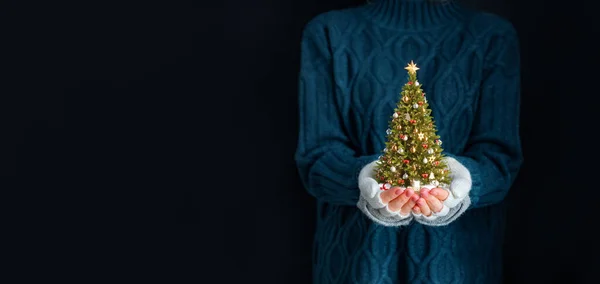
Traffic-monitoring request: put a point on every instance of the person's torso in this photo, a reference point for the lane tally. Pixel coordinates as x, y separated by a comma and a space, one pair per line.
368, 70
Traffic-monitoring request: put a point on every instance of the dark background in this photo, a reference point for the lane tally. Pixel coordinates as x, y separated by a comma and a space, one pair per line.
197, 100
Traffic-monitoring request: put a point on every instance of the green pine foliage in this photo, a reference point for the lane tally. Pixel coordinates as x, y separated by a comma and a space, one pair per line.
413, 153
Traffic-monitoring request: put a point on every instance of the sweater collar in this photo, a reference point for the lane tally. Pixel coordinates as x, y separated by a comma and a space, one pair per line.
413, 14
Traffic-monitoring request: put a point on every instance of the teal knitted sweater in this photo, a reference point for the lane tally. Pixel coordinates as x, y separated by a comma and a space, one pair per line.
352, 71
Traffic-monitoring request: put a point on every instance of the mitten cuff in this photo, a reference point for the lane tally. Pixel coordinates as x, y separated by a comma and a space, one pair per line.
446, 216
383, 216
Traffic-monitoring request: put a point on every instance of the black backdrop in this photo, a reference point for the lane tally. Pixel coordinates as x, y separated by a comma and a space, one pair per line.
199, 100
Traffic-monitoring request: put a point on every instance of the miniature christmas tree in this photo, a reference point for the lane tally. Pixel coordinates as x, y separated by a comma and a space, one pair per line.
413, 153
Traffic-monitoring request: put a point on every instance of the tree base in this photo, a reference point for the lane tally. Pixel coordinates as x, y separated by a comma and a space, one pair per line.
416, 186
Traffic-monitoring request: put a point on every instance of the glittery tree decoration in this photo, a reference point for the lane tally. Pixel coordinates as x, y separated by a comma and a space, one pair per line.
413, 153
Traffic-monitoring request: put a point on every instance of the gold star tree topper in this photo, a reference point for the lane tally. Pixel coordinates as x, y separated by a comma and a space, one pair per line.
412, 67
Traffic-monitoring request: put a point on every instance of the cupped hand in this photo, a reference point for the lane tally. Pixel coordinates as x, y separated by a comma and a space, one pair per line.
430, 201
399, 199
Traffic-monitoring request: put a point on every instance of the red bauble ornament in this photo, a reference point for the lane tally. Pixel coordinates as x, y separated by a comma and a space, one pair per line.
424, 175
401, 181
413, 121
425, 146
410, 83
406, 161
420, 103
402, 136
436, 163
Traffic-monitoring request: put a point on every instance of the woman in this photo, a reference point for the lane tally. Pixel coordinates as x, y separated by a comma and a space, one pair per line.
352, 71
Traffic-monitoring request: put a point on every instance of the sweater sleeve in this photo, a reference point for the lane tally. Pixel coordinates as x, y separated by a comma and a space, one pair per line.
327, 163
493, 154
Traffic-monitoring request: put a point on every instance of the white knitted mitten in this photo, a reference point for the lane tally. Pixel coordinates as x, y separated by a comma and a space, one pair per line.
370, 199
461, 182
458, 198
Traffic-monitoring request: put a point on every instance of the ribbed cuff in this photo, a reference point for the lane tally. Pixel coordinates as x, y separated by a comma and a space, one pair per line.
376, 216
451, 216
